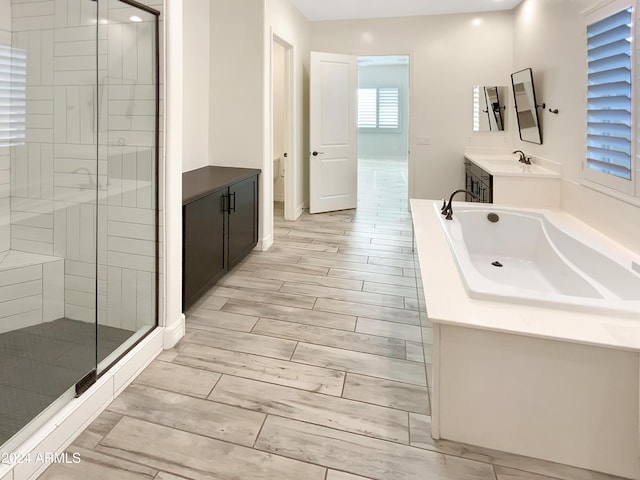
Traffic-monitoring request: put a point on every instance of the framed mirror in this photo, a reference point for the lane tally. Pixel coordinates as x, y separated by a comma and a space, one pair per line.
489, 108
524, 96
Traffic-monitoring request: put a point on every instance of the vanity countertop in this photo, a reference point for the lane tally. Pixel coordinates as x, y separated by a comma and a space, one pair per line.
447, 300
507, 165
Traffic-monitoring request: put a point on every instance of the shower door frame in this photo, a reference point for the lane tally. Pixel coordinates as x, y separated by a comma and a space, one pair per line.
94, 375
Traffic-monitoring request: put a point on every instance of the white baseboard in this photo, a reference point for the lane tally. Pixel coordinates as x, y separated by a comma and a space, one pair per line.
63, 428
173, 333
264, 244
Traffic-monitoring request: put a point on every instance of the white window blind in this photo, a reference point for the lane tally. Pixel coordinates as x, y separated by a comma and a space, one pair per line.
476, 108
379, 108
12, 96
609, 112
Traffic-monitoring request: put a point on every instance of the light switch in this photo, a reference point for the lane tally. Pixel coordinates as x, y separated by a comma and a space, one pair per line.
423, 140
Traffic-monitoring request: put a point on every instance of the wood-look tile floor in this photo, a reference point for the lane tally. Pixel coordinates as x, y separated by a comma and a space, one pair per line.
304, 362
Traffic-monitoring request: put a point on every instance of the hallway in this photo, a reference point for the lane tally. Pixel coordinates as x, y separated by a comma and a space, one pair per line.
303, 363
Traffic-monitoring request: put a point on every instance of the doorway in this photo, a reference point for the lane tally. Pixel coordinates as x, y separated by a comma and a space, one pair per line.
383, 131
282, 126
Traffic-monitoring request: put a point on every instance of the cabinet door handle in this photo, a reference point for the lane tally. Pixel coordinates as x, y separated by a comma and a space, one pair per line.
232, 208
223, 202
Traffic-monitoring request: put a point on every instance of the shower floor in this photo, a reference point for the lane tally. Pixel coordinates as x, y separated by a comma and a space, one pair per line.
41, 362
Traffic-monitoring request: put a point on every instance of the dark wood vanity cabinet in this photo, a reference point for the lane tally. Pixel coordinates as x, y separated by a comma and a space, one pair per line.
219, 225
478, 181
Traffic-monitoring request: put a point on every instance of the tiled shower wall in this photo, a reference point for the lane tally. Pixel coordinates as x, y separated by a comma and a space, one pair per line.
54, 175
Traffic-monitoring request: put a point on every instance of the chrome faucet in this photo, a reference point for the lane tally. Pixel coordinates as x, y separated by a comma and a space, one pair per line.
447, 208
523, 158
91, 183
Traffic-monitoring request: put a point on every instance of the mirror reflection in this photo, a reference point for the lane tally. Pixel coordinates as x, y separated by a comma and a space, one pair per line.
524, 96
489, 108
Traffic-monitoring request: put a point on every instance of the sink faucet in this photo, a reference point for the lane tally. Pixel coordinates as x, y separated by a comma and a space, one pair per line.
447, 208
523, 158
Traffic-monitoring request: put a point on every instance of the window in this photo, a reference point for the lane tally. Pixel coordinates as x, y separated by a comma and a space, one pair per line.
379, 108
609, 158
12, 96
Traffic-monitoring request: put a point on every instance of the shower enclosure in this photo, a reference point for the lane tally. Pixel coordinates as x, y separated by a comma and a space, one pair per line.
79, 140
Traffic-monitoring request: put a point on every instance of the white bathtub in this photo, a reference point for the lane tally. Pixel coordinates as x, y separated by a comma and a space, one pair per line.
524, 257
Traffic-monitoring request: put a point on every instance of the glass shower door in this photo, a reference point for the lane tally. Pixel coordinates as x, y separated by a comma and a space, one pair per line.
48, 210
128, 119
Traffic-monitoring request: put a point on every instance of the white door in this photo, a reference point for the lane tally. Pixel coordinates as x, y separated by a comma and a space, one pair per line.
333, 160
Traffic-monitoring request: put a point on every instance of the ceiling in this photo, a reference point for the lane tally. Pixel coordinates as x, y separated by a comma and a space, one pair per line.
316, 10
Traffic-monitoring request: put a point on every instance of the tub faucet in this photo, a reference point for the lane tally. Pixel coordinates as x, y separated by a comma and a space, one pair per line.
523, 158
447, 208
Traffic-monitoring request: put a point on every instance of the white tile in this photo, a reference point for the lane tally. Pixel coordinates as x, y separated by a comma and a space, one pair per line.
39, 135
32, 247
73, 114
32, 9
132, 107
145, 299
73, 232
75, 34
138, 262
34, 52
35, 234
21, 305
75, 62
60, 229
20, 290
43, 92
21, 274
87, 115
34, 170
60, 14
115, 52
80, 269
46, 170
31, 205
132, 246
60, 114
79, 299
114, 297
80, 77
129, 58
132, 215
87, 233
22, 319
53, 291
129, 303
29, 219
83, 314
132, 230
46, 58
145, 42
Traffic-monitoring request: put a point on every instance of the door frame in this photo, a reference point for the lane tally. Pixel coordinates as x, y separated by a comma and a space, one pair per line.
289, 134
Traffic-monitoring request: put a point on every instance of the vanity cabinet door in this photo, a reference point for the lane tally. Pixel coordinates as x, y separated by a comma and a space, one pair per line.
204, 233
243, 219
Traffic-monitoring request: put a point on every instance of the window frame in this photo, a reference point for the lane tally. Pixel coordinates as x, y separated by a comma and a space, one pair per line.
378, 128
602, 181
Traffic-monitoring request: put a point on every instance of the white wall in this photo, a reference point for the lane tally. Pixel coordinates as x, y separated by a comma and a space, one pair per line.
386, 145
237, 66
549, 38
449, 54
196, 77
